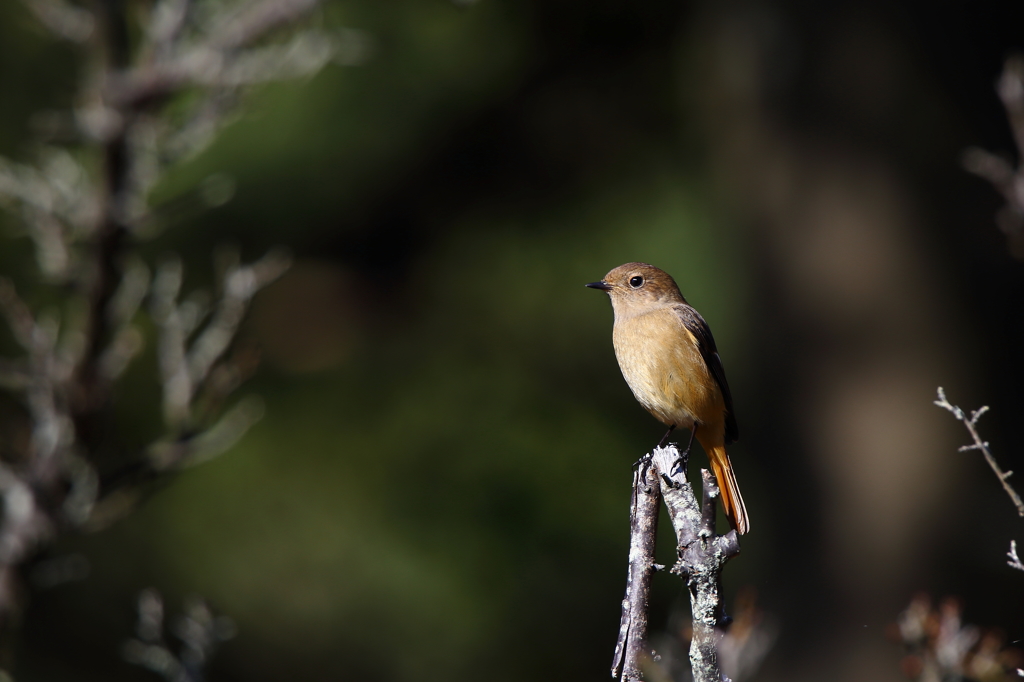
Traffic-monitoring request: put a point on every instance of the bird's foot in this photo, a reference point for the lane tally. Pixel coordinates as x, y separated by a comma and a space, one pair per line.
645, 459
644, 465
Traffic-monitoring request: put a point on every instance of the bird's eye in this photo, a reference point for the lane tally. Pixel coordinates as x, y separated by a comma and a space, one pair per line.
636, 282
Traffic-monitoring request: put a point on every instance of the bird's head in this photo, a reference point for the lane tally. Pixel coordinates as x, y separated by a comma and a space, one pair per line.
635, 287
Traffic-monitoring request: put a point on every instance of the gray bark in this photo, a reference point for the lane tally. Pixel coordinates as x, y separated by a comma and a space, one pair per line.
630, 649
701, 555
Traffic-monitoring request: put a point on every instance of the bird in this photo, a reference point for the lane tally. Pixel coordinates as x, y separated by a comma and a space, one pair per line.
669, 360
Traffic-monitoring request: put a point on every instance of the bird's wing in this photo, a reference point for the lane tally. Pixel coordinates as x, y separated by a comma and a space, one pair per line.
709, 352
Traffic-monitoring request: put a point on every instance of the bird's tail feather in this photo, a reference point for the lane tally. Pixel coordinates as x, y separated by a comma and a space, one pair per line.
732, 500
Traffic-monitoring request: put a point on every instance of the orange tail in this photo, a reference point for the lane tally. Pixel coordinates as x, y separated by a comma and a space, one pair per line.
731, 498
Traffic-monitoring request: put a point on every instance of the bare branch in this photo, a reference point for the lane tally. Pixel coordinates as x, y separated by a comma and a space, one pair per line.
59, 187
177, 385
129, 295
701, 553
84, 488
199, 130
54, 202
144, 143
208, 66
979, 444
1009, 181
216, 440
304, 54
22, 526
127, 300
989, 166
48, 233
217, 57
631, 646
240, 285
83, 219
1011, 91
199, 631
166, 24
247, 24
23, 529
51, 427
1014, 561
185, 369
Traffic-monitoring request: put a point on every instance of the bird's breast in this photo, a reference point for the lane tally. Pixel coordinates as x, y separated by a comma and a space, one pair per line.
662, 364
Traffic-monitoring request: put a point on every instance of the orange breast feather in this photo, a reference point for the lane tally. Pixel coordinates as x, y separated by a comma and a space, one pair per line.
661, 362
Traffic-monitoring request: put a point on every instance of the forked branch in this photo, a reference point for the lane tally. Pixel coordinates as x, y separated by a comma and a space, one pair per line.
701, 555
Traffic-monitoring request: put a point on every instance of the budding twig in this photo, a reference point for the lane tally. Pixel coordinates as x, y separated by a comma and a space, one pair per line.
971, 425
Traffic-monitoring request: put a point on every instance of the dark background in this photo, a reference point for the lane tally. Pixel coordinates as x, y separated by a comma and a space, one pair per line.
439, 489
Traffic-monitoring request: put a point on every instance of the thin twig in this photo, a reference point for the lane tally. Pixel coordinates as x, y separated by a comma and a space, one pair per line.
240, 285
1014, 561
198, 629
971, 424
213, 59
208, 444
1009, 181
251, 22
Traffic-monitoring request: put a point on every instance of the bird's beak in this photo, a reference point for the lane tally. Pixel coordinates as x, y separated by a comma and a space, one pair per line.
602, 285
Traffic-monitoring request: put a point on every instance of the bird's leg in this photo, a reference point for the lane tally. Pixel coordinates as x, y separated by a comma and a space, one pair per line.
667, 434
680, 463
693, 432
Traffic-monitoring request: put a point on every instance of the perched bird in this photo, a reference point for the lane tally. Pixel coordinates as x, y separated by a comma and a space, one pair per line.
669, 359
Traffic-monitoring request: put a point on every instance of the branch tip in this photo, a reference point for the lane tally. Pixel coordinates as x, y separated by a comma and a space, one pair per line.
1014, 561
983, 446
